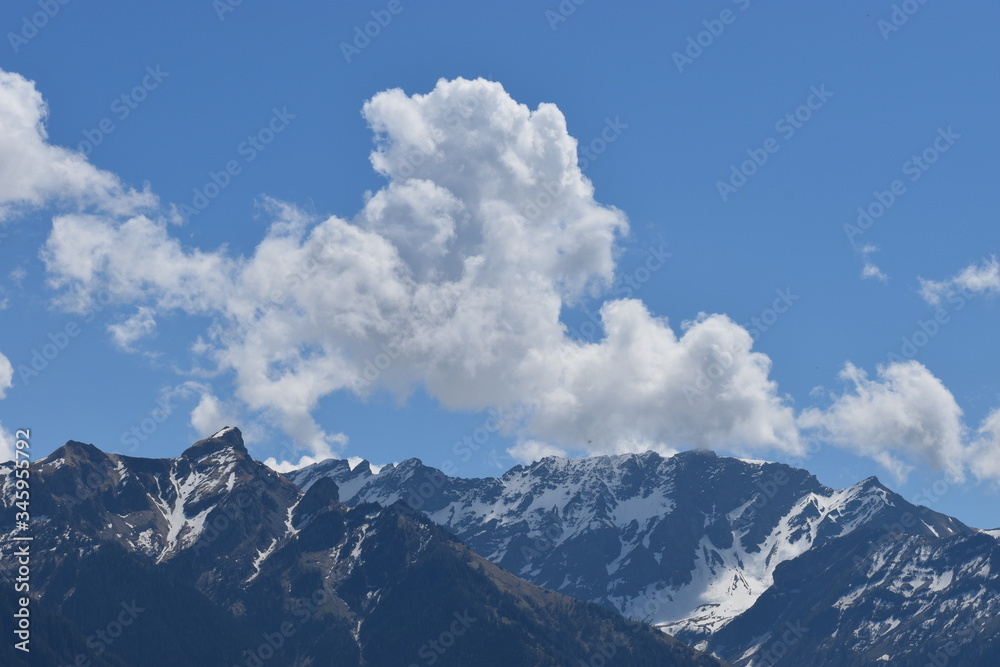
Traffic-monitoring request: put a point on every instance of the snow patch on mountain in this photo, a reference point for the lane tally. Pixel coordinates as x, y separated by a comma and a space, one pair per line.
262, 555
184, 526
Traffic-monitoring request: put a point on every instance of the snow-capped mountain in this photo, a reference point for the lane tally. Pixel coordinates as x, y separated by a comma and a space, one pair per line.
218, 560
720, 552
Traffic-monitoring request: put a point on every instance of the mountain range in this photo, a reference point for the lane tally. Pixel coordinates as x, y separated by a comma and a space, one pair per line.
213, 558
757, 563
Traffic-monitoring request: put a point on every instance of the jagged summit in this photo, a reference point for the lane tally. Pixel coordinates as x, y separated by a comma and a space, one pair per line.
74, 450
229, 437
362, 466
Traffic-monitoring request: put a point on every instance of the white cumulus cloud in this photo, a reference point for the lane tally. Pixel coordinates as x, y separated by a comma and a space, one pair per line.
984, 452
452, 276
981, 277
528, 451
903, 416
643, 387
212, 413
34, 172
6, 382
6, 375
7, 443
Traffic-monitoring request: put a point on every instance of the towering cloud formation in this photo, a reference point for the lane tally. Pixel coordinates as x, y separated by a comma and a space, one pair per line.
454, 277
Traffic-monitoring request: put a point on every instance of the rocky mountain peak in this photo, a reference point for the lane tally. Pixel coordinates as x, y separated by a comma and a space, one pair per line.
229, 437
74, 451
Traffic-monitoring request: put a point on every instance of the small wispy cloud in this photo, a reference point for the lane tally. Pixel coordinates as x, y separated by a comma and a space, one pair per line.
870, 269
139, 325
981, 277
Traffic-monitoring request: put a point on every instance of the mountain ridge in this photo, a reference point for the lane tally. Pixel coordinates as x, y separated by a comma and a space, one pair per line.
215, 536
756, 562
597, 528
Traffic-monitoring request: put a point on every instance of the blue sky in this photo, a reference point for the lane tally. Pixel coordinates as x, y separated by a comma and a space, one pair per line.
881, 360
